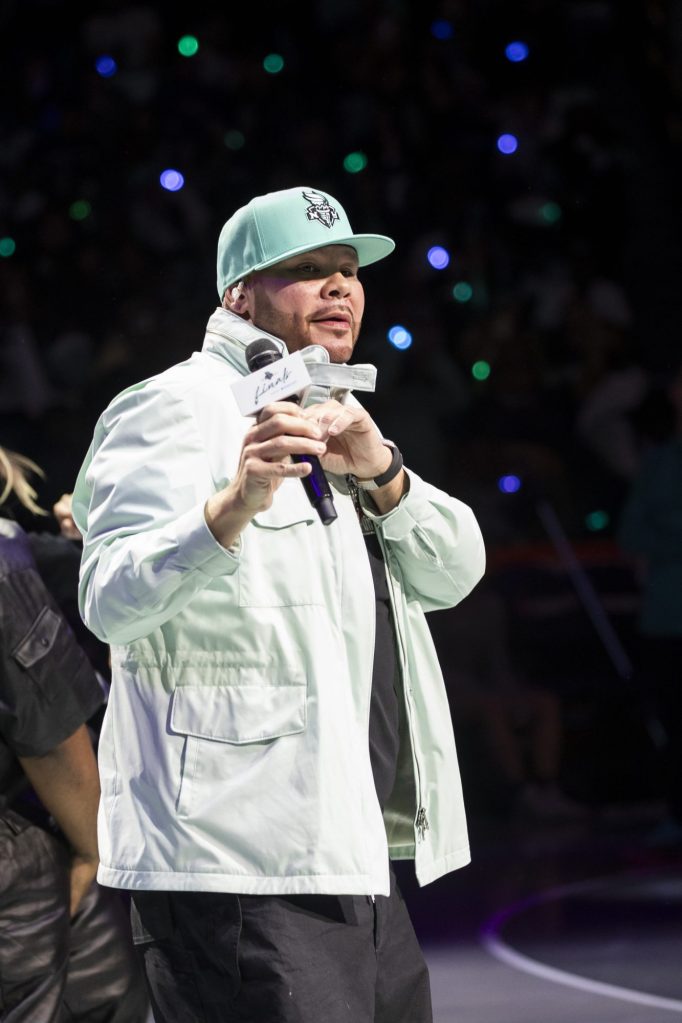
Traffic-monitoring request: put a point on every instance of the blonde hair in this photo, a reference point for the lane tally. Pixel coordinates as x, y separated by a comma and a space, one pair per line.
13, 470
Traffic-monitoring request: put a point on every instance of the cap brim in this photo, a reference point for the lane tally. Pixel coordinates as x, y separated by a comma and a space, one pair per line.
369, 247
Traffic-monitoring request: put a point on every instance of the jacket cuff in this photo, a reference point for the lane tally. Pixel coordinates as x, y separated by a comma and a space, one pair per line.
198, 549
413, 508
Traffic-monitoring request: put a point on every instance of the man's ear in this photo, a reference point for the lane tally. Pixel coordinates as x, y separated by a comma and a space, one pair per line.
235, 300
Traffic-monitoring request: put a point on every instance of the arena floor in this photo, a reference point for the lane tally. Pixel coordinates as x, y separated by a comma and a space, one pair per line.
553, 923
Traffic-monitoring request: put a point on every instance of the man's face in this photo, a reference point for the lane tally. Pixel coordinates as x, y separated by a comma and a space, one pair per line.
311, 299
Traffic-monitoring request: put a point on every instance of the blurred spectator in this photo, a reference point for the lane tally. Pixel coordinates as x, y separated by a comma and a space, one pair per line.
651, 529
66, 947
518, 727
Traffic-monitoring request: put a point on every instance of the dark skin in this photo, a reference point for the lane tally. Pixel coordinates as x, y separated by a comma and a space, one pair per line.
67, 783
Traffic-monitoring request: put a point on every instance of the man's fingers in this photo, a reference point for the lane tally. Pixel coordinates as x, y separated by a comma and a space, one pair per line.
256, 469
284, 424
283, 446
338, 423
332, 417
283, 416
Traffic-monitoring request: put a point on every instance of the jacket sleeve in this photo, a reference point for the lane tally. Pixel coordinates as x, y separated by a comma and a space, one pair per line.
139, 503
435, 542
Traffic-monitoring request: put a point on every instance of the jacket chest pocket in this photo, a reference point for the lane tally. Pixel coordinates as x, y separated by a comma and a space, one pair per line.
278, 564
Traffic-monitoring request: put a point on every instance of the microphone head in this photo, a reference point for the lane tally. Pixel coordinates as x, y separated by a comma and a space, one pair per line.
261, 353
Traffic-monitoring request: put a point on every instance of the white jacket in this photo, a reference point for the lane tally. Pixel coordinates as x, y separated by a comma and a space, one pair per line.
234, 753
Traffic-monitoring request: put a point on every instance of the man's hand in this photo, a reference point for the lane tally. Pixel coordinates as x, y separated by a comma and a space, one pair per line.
282, 430
354, 445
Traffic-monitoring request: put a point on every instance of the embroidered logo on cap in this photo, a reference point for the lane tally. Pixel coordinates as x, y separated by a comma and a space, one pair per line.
320, 208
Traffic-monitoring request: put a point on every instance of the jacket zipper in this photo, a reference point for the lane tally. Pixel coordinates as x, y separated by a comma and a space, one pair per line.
421, 822
366, 525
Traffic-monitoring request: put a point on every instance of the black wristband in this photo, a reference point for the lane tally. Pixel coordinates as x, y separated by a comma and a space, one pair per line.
385, 477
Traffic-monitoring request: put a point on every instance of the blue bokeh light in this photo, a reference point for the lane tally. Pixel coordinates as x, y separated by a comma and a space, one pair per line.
442, 29
171, 180
106, 66
399, 337
438, 257
507, 144
516, 51
509, 484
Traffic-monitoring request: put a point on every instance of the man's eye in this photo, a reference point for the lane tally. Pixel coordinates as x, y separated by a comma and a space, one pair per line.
348, 272
307, 268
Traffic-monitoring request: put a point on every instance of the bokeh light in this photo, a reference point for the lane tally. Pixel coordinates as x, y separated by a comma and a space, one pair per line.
509, 484
273, 63
507, 144
516, 51
597, 520
354, 162
399, 337
234, 139
480, 370
188, 46
80, 209
550, 212
438, 257
7, 247
462, 291
442, 29
171, 180
106, 66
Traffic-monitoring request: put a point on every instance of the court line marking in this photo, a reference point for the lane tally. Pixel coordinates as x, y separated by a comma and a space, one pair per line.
503, 952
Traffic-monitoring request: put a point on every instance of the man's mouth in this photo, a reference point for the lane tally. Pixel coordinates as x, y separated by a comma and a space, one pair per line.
340, 320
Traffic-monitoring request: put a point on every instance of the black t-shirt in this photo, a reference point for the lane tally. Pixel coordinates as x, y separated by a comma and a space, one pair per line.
47, 686
384, 736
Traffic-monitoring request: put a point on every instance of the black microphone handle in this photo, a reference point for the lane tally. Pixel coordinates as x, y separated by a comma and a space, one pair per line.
316, 486
262, 353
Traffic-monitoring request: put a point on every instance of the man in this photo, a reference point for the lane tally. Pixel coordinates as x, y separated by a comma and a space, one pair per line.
274, 687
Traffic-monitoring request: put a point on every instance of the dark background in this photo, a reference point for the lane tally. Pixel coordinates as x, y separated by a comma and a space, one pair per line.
571, 247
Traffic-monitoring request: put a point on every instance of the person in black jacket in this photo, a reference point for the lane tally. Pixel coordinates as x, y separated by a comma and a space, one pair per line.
65, 950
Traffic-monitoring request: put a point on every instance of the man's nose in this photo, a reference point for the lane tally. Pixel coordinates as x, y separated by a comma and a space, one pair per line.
336, 285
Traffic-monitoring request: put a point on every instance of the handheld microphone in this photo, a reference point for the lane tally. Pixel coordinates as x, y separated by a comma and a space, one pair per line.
262, 353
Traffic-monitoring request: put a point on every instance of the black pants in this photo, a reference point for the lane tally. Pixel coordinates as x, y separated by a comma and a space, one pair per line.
225, 958
54, 969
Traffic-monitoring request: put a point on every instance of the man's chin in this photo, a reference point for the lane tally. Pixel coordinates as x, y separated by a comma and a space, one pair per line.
339, 344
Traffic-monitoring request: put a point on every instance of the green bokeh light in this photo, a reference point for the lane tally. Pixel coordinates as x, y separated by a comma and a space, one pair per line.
550, 212
234, 139
188, 46
7, 247
597, 520
462, 291
354, 162
80, 209
273, 63
480, 370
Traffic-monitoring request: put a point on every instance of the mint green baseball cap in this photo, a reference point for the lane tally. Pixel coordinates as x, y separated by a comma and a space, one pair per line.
281, 224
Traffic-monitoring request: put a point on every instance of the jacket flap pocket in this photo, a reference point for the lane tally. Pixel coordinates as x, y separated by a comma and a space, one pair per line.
239, 713
289, 506
40, 638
